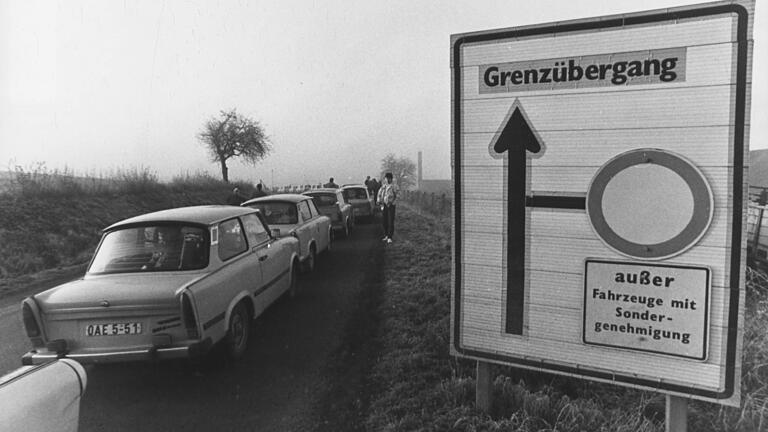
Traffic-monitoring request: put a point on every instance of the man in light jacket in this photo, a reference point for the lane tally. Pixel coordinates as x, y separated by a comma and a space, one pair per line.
386, 198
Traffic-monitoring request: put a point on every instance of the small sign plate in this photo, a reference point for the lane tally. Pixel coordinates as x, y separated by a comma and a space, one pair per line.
647, 307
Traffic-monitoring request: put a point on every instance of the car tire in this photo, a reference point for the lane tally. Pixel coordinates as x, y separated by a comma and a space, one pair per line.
238, 331
309, 263
293, 287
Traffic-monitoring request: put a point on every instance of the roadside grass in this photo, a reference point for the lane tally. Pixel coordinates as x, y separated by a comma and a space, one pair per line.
52, 218
418, 385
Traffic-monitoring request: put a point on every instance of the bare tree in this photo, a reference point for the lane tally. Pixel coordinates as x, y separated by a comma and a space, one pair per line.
403, 170
234, 135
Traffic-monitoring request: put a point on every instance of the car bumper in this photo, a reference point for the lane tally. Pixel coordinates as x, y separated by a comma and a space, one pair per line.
35, 357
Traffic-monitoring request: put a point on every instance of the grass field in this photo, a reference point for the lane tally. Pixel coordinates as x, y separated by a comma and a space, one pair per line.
419, 386
54, 219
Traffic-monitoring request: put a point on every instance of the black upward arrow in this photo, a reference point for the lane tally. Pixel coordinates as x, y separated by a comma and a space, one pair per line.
518, 138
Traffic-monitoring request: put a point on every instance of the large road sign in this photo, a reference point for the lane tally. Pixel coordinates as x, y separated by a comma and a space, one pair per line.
598, 171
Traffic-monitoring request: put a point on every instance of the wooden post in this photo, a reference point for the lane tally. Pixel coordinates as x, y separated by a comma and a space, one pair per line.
483, 386
677, 414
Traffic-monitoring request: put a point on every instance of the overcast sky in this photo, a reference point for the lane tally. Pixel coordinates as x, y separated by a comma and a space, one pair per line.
97, 86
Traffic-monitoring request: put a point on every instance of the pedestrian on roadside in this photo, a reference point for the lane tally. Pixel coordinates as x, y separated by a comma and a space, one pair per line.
259, 192
387, 197
368, 184
331, 184
235, 198
375, 186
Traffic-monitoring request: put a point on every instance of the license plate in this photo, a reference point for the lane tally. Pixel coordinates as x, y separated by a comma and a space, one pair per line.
113, 329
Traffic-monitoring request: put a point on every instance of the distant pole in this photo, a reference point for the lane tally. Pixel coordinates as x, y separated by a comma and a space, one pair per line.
483, 386
272, 181
677, 414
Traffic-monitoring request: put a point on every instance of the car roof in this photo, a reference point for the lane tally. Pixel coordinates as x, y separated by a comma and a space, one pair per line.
350, 186
321, 190
205, 215
292, 198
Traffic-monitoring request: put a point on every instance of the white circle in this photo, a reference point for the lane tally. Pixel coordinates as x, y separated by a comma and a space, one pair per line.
647, 204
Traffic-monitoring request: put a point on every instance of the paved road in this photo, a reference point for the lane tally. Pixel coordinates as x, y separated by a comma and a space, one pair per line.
273, 388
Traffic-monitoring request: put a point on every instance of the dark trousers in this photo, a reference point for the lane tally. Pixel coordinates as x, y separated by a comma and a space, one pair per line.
388, 220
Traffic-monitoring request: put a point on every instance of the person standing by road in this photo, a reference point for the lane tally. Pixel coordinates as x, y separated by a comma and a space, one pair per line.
387, 196
259, 192
235, 198
331, 184
374, 186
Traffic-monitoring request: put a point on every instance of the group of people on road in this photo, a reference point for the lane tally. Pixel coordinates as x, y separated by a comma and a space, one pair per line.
384, 195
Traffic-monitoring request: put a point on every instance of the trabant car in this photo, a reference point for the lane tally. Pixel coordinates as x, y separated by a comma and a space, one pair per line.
296, 215
331, 203
360, 199
167, 284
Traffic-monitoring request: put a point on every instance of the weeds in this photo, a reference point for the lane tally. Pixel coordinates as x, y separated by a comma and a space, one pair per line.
53, 218
422, 387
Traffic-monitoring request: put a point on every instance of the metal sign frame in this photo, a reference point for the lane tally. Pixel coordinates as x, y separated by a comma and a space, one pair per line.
737, 157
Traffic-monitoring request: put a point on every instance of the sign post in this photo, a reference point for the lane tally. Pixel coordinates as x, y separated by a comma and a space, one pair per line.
598, 171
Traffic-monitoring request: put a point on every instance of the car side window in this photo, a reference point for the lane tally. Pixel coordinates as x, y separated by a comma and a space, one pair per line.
254, 229
304, 210
313, 208
231, 239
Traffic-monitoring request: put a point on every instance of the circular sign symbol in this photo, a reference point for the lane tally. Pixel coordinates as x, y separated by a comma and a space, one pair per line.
649, 204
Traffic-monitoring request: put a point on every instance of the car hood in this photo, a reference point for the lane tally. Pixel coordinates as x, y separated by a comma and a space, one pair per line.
116, 290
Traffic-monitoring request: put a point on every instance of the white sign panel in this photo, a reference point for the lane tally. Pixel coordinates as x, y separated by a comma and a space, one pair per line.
588, 148
647, 307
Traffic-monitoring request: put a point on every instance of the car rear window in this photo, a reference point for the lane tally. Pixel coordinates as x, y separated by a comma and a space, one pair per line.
324, 200
152, 249
277, 213
355, 193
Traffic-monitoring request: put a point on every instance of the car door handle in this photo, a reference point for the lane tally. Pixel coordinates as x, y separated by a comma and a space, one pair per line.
263, 257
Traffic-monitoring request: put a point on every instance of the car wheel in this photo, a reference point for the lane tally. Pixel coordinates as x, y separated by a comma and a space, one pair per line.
238, 331
309, 263
293, 288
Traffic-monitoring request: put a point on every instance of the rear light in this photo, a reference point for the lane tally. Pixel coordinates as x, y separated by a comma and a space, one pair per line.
188, 315
30, 323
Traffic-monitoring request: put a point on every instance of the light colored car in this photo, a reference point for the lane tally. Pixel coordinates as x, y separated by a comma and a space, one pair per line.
42, 398
360, 199
331, 203
296, 215
167, 284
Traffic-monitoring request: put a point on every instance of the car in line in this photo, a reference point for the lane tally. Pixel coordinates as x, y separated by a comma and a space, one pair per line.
361, 201
296, 215
168, 284
330, 202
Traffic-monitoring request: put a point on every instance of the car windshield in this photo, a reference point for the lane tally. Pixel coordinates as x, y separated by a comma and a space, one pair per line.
355, 193
278, 213
152, 249
324, 199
